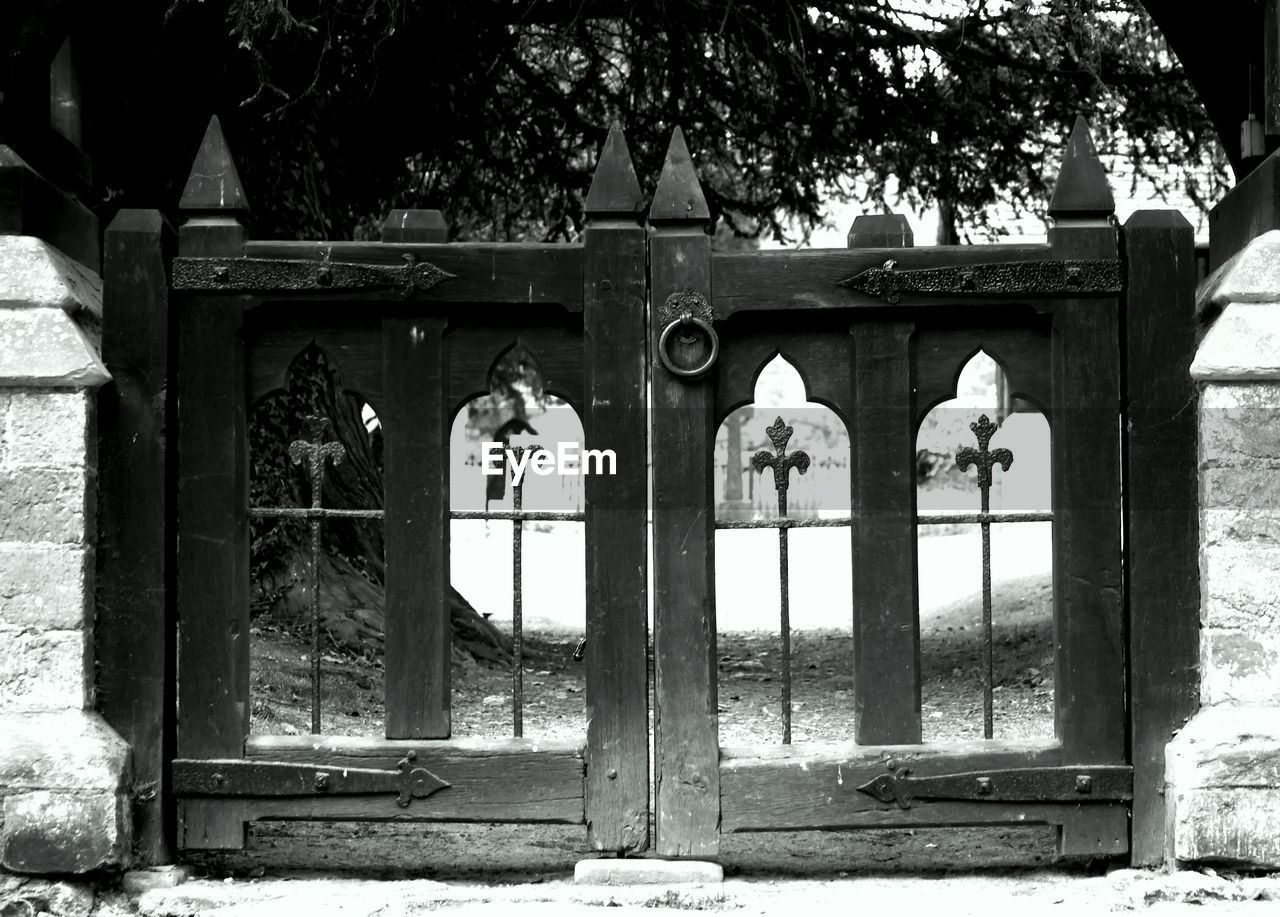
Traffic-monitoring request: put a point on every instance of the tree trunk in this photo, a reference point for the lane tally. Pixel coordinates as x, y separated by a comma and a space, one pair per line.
352, 571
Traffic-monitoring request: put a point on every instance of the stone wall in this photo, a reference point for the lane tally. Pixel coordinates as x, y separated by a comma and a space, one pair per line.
1223, 769
63, 771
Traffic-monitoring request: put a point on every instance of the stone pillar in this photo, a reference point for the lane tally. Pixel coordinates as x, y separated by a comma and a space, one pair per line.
63, 771
1223, 768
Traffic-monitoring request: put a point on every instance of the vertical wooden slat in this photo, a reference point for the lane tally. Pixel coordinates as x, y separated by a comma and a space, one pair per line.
415, 430
1161, 523
1088, 601
886, 644
617, 786
213, 550
686, 735
886, 628
134, 631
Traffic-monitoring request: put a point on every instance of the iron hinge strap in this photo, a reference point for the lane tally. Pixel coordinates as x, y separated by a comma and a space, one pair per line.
240, 777
302, 275
1048, 278
1079, 784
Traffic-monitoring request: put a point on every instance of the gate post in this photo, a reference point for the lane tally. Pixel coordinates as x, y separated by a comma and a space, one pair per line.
617, 543
686, 732
213, 549
886, 615
135, 508
1161, 507
415, 422
1087, 576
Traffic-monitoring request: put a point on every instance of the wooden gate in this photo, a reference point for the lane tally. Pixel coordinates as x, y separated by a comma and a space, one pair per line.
880, 335
1088, 326
415, 326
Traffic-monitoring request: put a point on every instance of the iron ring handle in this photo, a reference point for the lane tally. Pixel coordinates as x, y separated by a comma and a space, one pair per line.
687, 319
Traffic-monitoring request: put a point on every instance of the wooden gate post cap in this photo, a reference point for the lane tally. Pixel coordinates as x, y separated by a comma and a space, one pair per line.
415, 226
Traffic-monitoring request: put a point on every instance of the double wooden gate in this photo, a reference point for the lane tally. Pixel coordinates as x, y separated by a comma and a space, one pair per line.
655, 339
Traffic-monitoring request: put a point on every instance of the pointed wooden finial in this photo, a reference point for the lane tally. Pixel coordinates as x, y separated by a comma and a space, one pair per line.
1082, 189
679, 195
214, 184
614, 187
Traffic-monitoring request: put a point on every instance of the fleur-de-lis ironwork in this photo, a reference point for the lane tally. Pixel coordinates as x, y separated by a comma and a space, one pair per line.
781, 463
314, 454
982, 458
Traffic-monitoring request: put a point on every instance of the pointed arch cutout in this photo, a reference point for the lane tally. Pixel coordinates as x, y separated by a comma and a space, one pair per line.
779, 389
519, 403
553, 354
1024, 355
820, 358
982, 388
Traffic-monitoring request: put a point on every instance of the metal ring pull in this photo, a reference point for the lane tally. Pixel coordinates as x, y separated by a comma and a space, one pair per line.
688, 318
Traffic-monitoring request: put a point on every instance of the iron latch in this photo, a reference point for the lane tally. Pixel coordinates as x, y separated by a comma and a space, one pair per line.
1094, 783
240, 777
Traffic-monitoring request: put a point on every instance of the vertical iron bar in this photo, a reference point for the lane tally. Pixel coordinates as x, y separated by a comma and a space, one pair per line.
315, 619
987, 671
517, 611
784, 583
781, 463
985, 460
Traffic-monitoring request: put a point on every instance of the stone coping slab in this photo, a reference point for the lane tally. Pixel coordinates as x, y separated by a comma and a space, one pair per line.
35, 275
46, 348
1242, 345
71, 750
1250, 275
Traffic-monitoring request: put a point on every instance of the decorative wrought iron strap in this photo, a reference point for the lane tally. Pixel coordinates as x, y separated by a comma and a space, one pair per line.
264, 275
1090, 277
238, 777
1090, 783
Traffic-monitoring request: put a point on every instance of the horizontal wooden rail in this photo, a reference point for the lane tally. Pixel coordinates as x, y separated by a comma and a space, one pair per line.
817, 786
503, 780
455, 272
829, 278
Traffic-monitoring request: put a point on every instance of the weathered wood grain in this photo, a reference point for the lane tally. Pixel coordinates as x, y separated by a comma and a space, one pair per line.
474, 349
213, 555
1087, 575
135, 629
1161, 506
815, 787
274, 339
504, 780
213, 203
617, 543
886, 625
941, 353
415, 430
686, 756
819, 352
